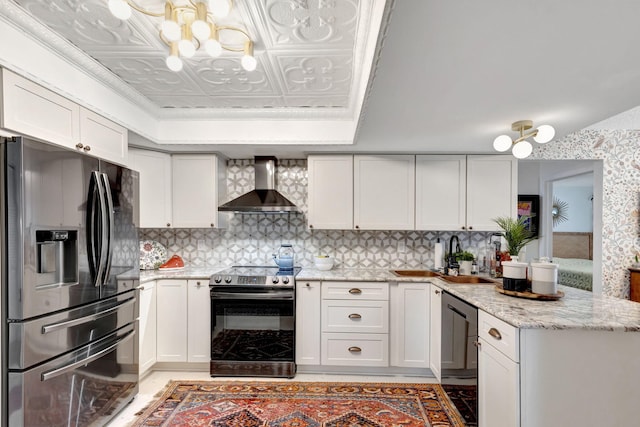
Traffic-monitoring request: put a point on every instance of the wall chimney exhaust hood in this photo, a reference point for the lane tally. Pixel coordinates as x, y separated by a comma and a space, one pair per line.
264, 198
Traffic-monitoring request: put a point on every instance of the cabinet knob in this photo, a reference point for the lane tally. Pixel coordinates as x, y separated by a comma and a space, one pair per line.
355, 291
168, 224
307, 285
495, 333
463, 227
478, 344
198, 284
355, 349
437, 292
86, 148
212, 225
357, 227
355, 316
79, 146
470, 228
310, 225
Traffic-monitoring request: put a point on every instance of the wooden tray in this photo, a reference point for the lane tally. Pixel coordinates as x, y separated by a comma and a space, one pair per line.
531, 295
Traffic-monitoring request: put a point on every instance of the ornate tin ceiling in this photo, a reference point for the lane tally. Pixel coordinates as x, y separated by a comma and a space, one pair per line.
306, 53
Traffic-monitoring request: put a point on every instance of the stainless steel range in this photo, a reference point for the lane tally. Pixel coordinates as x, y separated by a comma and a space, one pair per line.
252, 322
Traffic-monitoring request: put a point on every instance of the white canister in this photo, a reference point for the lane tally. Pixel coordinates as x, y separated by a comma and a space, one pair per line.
514, 276
544, 278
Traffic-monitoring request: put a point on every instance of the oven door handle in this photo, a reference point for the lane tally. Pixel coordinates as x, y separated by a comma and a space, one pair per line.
283, 296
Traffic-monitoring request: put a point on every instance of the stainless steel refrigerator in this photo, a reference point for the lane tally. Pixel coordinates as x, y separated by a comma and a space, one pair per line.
69, 277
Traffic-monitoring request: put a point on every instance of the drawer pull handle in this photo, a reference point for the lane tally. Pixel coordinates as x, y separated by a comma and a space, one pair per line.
355, 349
355, 316
495, 333
355, 291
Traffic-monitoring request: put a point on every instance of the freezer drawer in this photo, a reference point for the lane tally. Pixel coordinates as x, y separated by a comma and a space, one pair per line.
85, 387
43, 338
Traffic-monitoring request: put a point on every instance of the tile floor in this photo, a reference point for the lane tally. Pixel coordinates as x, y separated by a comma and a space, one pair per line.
157, 380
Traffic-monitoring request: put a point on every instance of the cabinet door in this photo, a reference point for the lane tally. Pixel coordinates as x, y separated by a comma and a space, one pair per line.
384, 189
148, 330
195, 198
330, 192
409, 329
198, 321
155, 187
435, 334
103, 138
441, 191
498, 388
308, 323
30, 109
492, 190
172, 321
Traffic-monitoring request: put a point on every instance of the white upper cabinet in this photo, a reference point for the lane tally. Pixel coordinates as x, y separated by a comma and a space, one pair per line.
492, 190
102, 138
384, 189
330, 192
155, 187
29, 109
196, 191
441, 188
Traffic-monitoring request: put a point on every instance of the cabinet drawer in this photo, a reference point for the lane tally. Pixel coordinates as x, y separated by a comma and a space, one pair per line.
355, 290
504, 337
355, 316
355, 349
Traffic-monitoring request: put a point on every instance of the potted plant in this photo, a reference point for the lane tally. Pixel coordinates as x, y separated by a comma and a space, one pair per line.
464, 258
515, 233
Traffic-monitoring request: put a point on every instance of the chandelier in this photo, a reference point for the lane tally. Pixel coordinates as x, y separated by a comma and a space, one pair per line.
521, 147
189, 27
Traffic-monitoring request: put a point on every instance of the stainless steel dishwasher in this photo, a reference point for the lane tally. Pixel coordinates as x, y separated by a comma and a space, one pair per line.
459, 364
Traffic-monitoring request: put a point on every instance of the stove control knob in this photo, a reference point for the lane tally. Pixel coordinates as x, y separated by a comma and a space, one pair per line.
275, 280
227, 279
217, 279
285, 280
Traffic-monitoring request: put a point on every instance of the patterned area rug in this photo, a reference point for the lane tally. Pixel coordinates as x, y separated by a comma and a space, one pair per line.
300, 404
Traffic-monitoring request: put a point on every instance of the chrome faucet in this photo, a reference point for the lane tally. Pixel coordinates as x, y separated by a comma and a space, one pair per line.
451, 259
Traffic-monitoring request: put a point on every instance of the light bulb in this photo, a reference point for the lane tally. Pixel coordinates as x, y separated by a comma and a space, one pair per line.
545, 134
186, 48
120, 9
174, 63
219, 8
502, 143
213, 48
200, 29
522, 149
249, 63
170, 30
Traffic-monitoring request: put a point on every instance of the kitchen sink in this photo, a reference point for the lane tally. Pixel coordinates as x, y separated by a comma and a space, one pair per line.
466, 279
416, 273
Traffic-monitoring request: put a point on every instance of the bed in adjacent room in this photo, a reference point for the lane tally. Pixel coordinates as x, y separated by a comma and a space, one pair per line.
573, 252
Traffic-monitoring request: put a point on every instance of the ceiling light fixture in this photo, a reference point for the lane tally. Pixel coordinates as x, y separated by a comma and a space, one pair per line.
521, 147
187, 27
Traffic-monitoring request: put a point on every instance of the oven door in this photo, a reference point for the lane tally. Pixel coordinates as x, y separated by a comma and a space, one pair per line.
252, 332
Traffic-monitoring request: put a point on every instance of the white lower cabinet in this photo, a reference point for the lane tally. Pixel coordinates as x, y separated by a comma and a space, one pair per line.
198, 321
435, 335
308, 327
498, 373
355, 322
409, 324
147, 326
184, 326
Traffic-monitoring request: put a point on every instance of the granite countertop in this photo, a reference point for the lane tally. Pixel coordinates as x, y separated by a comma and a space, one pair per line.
578, 309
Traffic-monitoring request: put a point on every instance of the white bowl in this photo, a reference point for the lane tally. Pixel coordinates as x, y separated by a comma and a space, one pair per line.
323, 263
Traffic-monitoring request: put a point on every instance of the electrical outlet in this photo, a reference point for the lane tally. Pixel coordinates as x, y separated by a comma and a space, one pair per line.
402, 247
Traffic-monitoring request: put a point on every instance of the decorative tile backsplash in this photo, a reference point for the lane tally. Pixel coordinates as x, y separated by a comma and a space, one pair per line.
251, 239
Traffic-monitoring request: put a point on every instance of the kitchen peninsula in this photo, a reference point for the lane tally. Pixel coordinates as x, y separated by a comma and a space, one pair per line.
555, 365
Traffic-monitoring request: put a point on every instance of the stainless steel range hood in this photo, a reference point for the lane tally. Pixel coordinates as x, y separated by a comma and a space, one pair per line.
264, 198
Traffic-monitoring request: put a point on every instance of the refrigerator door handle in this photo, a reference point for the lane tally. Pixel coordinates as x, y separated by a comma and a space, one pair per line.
109, 227
71, 366
85, 319
97, 228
